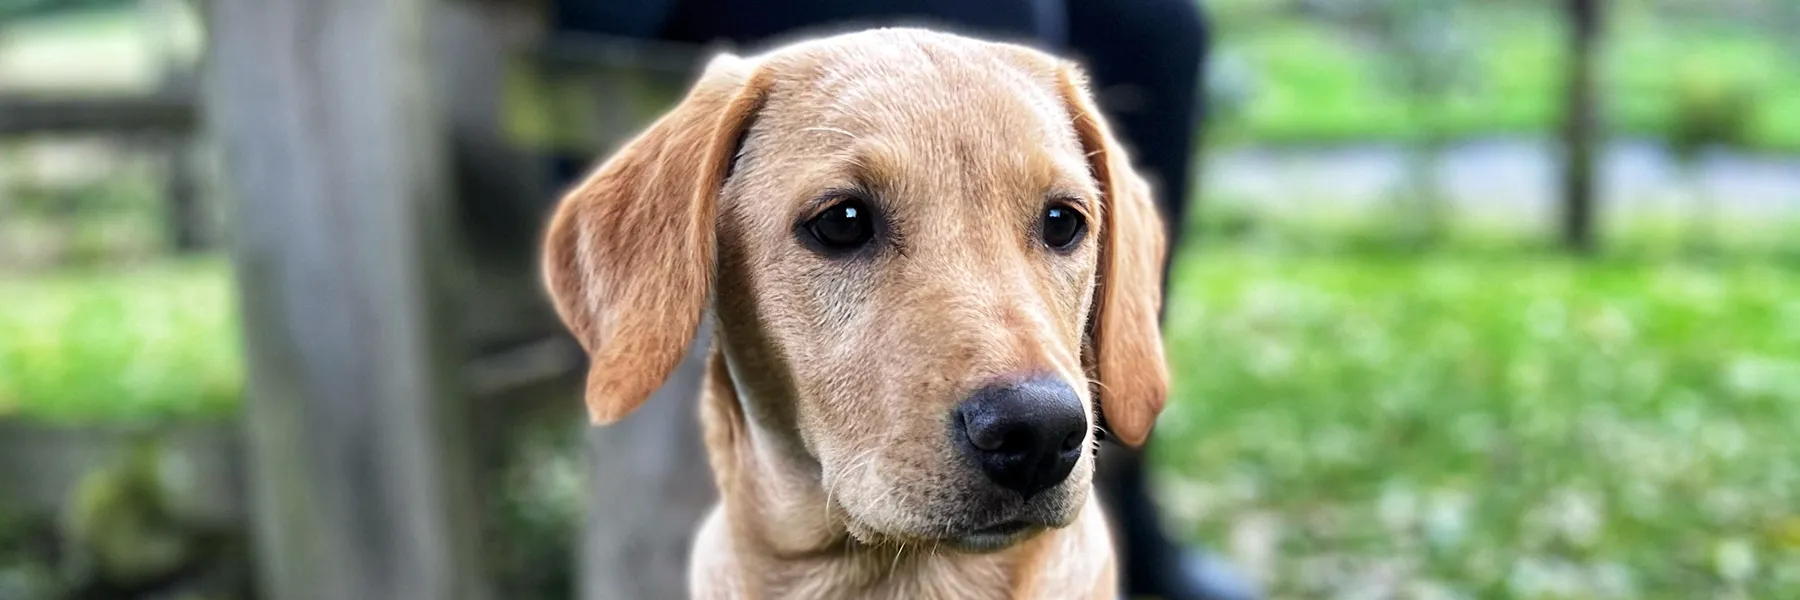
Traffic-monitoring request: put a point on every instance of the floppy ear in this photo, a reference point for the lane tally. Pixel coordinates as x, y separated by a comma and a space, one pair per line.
628, 257
1125, 351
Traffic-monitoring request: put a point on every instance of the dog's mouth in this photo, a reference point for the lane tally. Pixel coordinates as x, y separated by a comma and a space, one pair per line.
1004, 528
982, 540
973, 519
995, 537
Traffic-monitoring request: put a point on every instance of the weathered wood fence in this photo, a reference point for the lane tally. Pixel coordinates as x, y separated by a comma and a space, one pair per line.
386, 224
384, 211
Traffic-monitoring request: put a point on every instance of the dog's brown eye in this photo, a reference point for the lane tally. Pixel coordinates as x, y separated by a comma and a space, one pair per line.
844, 227
1062, 227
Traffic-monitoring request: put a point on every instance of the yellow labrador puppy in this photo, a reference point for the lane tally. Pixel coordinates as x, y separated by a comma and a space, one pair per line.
929, 261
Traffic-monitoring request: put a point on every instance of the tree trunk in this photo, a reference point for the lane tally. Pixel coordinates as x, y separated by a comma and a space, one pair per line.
1581, 127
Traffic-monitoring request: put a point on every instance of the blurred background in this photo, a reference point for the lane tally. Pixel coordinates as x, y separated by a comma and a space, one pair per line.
1481, 298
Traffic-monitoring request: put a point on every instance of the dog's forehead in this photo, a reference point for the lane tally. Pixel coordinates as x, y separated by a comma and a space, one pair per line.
911, 91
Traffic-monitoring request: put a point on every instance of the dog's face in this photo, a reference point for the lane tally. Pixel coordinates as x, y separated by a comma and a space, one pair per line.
926, 254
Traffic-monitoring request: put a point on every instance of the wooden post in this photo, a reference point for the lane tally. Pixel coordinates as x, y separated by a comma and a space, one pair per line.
649, 487
179, 161
1581, 124
335, 158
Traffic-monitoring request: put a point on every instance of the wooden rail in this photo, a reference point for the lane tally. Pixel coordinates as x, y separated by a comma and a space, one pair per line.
161, 114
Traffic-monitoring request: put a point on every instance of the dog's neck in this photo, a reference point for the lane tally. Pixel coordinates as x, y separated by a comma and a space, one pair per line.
789, 540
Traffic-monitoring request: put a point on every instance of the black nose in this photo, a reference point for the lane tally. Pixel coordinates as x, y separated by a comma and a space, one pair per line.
1025, 435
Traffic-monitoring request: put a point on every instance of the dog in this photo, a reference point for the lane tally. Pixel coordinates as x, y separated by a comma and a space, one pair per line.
933, 274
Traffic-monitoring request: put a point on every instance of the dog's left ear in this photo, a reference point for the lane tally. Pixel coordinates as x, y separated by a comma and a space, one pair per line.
628, 258
1125, 350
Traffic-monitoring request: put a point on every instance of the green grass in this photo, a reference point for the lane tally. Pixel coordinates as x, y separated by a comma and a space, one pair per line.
1319, 83
1491, 424
124, 344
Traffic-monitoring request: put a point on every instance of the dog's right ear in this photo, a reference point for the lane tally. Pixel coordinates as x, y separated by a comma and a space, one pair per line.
1124, 335
628, 258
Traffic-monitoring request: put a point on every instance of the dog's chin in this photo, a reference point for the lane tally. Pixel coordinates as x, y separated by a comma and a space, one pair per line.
993, 535
974, 540
978, 519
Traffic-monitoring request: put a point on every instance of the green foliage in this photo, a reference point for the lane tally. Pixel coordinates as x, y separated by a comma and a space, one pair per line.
124, 345
86, 224
1319, 80
23, 541
1711, 108
1498, 424
539, 505
28, 9
119, 525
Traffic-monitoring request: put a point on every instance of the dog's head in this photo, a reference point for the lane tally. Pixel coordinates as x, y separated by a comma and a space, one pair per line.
928, 258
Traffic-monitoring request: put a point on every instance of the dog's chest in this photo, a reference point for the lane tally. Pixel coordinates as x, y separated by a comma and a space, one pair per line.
720, 573
893, 574
1071, 563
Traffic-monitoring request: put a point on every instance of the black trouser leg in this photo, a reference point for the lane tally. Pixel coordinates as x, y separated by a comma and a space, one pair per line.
1146, 60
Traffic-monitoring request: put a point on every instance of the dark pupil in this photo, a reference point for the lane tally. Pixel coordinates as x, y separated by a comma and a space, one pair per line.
1061, 227
843, 226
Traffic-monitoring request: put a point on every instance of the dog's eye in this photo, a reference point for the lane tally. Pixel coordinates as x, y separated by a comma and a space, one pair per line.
845, 226
1062, 227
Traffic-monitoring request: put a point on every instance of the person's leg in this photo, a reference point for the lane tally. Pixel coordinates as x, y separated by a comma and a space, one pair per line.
752, 22
1146, 59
